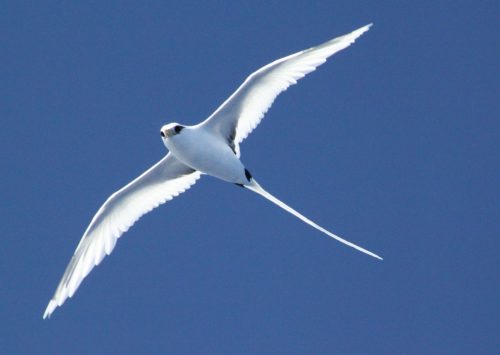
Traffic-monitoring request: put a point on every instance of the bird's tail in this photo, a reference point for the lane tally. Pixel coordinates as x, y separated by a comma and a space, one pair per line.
255, 187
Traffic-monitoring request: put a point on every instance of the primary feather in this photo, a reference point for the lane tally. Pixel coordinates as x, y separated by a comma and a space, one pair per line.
237, 117
162, 182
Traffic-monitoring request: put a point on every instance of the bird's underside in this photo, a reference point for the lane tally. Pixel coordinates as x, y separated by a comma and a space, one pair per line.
211, 147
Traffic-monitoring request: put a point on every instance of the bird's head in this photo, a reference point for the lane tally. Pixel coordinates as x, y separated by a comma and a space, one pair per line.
170, 130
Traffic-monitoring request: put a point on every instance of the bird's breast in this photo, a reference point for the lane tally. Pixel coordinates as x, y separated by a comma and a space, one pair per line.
207, 153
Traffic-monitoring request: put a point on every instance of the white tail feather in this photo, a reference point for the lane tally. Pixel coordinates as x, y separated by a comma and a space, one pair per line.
255, 187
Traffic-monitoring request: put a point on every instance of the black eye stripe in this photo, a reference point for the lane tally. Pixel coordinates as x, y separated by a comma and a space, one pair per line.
178, 129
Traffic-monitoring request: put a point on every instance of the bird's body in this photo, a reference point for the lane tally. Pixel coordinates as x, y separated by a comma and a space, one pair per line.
211, 147
204, 151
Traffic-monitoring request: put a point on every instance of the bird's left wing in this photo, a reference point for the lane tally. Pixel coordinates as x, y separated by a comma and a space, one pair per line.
165, 180
245, 108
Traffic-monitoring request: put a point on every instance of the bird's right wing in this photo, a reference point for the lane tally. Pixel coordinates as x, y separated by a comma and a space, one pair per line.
245, 108
162, 182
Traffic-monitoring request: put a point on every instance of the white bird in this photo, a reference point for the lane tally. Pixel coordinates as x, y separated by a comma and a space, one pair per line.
211, 147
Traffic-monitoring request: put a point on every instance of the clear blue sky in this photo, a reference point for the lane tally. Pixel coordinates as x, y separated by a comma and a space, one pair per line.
393, 144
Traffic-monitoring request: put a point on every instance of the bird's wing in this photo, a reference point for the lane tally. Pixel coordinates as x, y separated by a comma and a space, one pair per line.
245, 108
162, 182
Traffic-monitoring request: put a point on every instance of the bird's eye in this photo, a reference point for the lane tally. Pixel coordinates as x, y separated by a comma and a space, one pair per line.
162, 134
178, 129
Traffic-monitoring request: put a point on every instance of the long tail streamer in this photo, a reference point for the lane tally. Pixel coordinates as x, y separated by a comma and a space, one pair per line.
255, 187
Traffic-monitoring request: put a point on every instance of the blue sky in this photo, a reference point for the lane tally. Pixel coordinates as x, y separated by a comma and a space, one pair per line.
392, 144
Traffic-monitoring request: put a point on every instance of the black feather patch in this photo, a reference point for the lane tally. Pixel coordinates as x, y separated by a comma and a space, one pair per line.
230, 141
248, 175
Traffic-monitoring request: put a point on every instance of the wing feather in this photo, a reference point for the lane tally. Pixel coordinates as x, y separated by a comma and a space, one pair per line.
238, 116
166, 179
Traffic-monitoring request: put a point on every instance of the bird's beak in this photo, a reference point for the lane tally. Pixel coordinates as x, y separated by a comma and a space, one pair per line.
167, 133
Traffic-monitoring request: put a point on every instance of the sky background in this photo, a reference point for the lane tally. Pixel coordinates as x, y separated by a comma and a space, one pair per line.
392, 144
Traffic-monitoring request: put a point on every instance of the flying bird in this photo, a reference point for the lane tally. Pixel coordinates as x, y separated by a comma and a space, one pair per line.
211, 147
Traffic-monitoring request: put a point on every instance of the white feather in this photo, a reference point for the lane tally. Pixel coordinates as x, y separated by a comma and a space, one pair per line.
163, 181
246, 107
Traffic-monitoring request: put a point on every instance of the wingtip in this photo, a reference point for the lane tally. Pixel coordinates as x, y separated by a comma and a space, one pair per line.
354, 35
50, 309
363, 29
